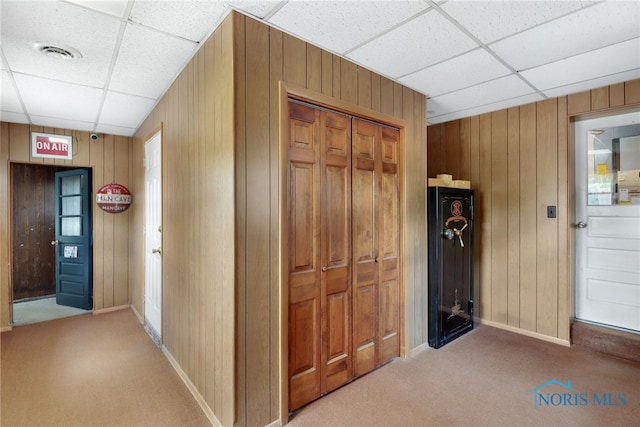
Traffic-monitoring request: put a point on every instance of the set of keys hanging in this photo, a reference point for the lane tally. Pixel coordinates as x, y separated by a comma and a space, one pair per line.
450, 234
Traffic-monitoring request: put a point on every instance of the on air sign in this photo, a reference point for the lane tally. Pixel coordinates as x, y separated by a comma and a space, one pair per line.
51, 146
113, 198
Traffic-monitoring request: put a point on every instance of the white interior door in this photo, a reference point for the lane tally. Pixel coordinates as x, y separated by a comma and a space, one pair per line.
608, 220
153, 236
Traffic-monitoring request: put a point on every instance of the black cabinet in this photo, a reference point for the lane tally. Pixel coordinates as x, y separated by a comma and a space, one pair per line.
450, 233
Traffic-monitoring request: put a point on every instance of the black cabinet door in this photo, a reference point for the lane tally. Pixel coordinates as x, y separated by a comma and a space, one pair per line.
450, 216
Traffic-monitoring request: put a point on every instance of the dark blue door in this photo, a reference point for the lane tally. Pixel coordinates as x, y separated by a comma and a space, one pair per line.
73, 239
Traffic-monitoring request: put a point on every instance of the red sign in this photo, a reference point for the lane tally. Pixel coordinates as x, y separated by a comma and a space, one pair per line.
52, 146
113, 198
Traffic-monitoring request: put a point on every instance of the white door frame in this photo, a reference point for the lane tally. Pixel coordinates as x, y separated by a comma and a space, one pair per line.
606, 249
153, 237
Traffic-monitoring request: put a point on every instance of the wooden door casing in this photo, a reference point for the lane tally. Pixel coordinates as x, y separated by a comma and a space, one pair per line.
344, 311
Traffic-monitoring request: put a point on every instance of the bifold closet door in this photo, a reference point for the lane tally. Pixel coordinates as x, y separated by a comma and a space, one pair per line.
375, 221
320, 253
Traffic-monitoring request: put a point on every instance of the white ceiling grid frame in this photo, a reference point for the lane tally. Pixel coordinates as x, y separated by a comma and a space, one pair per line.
426, 40
339, 26
588, 29
93, 34
469, 69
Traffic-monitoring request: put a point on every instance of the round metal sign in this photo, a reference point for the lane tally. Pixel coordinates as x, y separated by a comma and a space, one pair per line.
113, 198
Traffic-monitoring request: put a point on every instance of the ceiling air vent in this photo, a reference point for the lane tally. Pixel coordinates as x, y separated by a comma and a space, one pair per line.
57, 51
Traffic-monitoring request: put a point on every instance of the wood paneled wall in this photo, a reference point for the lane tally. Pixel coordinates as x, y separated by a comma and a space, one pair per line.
520, 161
222, 208
198, 238
109, 159
264, 57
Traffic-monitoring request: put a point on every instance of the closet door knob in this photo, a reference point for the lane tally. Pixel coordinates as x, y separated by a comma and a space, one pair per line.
324, 268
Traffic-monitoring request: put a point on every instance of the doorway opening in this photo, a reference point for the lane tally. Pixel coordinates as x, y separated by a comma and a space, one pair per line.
33, 263
607, 164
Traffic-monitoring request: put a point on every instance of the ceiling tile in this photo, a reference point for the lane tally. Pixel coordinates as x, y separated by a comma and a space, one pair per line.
115, 130
482, 94
494, 106
494, 20
192, 20
593, 83
41, 97
587, 66
9, 100
342, 25
591, 28
55, 122
10, 117
124, 110
93, 34
463, 71
149, 72
257, 8
424, 41
111, 7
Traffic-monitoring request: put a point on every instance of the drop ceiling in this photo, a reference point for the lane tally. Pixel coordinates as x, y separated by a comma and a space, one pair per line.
468, 57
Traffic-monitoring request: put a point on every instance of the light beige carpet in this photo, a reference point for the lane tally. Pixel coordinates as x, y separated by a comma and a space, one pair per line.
90, 371
486, 378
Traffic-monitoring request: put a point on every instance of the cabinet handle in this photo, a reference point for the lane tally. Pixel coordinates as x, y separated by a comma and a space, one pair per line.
324, 268
54, 242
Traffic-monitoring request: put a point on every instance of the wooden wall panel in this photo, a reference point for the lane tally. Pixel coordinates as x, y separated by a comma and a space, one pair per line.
257, 136
528, 219
109, 244
483, 216
197, 118
535, 168
565, 169
513, 217
499, 215
547, 228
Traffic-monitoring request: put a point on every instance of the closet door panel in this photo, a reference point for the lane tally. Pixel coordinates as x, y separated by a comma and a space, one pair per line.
335, 130
304, 257
389, 307
365, 245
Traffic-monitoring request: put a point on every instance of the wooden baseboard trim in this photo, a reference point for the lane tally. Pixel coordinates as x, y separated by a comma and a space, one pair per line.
192, 388
276, 423
138, 315
6, 329
531, 334
110, 309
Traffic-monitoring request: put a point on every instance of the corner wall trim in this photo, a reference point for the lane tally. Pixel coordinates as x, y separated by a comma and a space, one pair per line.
531, 334
194, 392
